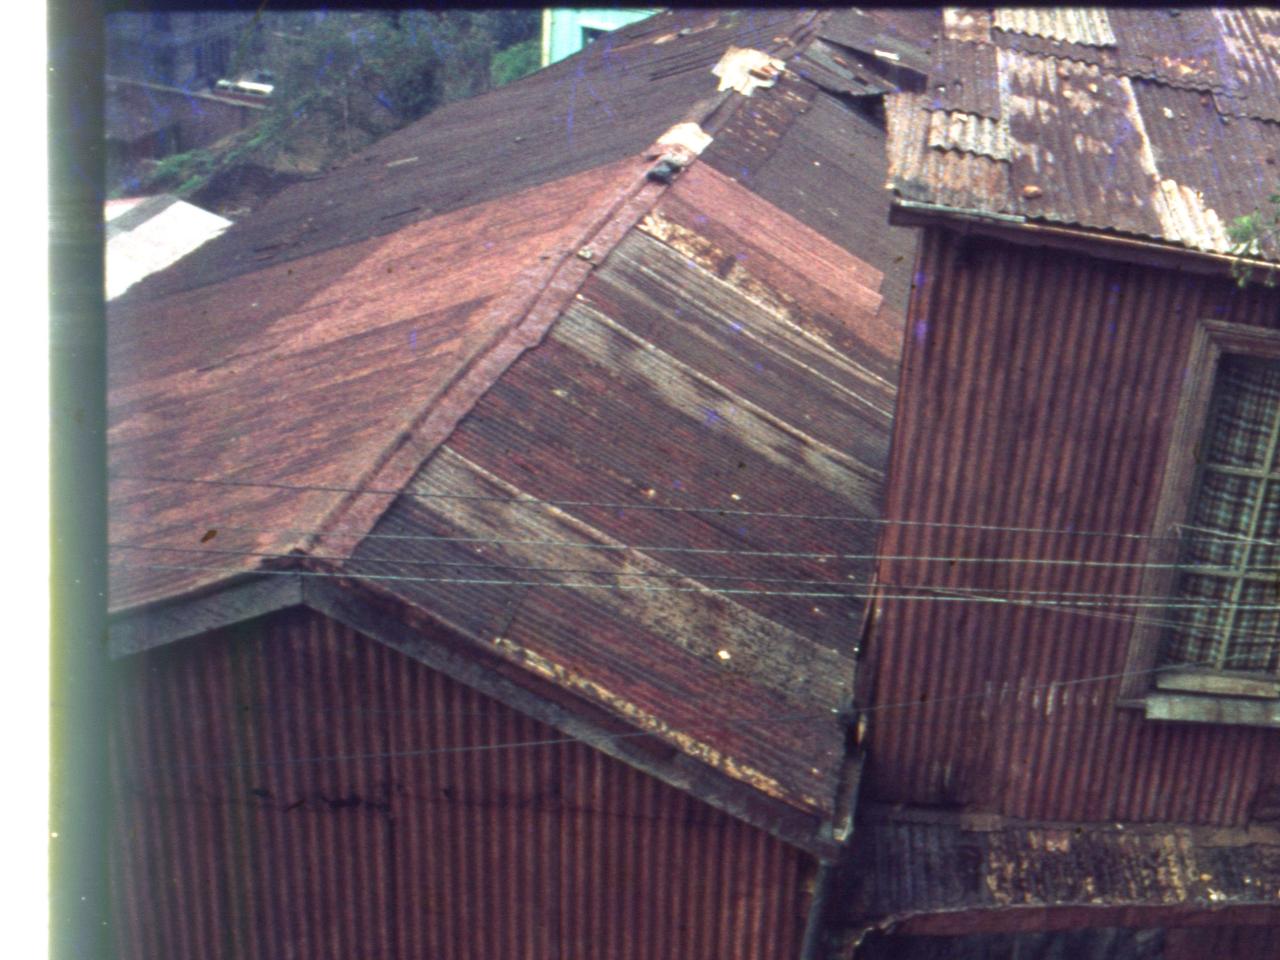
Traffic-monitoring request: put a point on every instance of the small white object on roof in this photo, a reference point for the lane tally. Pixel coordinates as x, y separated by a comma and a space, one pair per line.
744, 70
689, 136
136, 250
680, 145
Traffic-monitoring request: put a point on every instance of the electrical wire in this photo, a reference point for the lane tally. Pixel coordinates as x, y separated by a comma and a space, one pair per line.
674, 574
721, 551
725, 591
738, 722
946, 588
609, 505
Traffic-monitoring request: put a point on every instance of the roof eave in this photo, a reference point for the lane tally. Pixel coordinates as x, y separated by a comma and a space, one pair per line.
1097, 243
369, 611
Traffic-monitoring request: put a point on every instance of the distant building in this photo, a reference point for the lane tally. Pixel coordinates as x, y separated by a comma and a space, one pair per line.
566, 30
189, 50
147, 121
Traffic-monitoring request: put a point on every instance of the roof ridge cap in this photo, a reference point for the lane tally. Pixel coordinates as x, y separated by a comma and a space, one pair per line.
532, 313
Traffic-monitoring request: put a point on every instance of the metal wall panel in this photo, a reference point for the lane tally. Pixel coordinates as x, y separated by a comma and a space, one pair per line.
291, 789
1038, 392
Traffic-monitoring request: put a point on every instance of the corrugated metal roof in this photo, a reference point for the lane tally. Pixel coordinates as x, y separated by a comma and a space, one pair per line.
915, 865
970, 133
1087, 25
302, 373
1090, 100
705, 362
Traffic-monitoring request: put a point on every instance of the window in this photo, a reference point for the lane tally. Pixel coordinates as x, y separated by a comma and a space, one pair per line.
1213, 654
1226, 599
591, 33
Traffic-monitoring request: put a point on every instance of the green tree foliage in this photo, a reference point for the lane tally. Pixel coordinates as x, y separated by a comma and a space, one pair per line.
344, 78
515, 62
1254, 236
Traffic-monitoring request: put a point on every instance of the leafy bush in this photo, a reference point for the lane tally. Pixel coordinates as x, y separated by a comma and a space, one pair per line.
515, 62
1253, 236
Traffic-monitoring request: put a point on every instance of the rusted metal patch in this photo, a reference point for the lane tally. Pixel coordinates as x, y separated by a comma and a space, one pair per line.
714, 260
968, 24
792, 260
969, 133
911, 859
746, 70
646, 721
1085, 25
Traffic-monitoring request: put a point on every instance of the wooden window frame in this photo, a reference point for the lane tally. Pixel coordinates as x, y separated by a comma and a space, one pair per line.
1196, 695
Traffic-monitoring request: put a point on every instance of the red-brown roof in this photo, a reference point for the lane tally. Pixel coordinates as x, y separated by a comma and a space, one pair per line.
306, 374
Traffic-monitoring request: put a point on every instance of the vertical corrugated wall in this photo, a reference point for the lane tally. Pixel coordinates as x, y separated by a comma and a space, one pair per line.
1039, 391
277, 797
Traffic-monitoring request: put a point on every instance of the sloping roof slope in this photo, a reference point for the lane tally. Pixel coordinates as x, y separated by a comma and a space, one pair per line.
303, 374
750, 381
1156, 123
628, 436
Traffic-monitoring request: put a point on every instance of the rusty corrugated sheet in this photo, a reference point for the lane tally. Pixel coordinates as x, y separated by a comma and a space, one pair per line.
963, 78
223, 849
1250, 62
705, 362
1084, 25
303, 374
822, 162
926, 863
1098, 131
1038, 391
960, 179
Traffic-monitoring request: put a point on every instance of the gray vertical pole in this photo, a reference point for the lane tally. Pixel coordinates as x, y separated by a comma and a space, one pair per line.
79, 920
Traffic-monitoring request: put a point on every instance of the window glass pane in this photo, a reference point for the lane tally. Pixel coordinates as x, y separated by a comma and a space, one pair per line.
1225, 503
1209, 549
1247, 396
1254, 643
1266, 552
1201, 608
